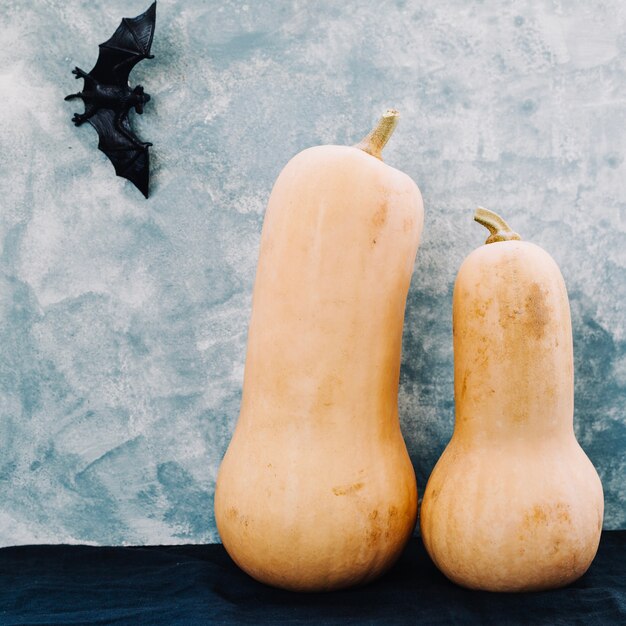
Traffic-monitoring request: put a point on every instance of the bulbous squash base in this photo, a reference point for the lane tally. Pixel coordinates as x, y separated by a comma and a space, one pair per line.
513, 518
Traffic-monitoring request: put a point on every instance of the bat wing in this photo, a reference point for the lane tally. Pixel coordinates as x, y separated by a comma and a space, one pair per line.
129, 156
129, 44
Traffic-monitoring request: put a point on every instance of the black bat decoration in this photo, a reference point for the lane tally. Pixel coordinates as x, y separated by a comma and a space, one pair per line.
108, 97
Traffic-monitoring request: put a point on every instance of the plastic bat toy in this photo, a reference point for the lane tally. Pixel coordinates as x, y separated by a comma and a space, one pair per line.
108, 97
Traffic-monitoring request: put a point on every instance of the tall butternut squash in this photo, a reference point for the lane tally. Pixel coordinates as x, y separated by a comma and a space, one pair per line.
316, 490
513, 504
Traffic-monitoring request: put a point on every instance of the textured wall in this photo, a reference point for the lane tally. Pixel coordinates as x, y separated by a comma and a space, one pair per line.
123, 321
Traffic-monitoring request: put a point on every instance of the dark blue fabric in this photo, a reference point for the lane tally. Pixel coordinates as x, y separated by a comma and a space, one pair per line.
180, 585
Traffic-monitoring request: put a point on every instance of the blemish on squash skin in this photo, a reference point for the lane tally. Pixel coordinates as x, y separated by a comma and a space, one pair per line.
382, 528
538, 516
373, 534
380, 217
537, 312
562, 513
464, 386
393, 520
482, 306
377, 222
346, 490
542, 515
481, 357
232, 513
519, 415
529, 313
326, 391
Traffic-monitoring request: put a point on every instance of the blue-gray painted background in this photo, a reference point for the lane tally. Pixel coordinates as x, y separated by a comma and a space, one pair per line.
123, 321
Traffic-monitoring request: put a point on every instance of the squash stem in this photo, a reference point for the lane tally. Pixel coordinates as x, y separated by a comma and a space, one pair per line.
375, 141
499, 229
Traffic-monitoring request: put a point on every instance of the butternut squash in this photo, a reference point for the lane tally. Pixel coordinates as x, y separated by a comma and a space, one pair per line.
513, 504
316, 490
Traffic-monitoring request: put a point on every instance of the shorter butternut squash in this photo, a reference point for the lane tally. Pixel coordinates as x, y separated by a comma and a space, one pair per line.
513, 504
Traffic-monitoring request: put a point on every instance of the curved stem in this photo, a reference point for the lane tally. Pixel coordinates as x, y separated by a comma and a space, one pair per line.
499, 229
375, 141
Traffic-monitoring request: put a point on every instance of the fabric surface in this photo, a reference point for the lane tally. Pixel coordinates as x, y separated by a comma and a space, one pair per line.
177, 585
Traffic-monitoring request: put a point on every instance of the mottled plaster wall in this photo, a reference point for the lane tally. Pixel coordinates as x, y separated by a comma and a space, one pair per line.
123, 321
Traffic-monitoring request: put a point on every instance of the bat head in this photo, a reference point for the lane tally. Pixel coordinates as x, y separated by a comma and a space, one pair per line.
139, 98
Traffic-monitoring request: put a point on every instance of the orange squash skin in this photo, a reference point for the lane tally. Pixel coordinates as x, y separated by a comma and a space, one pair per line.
513, 504
317, 491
